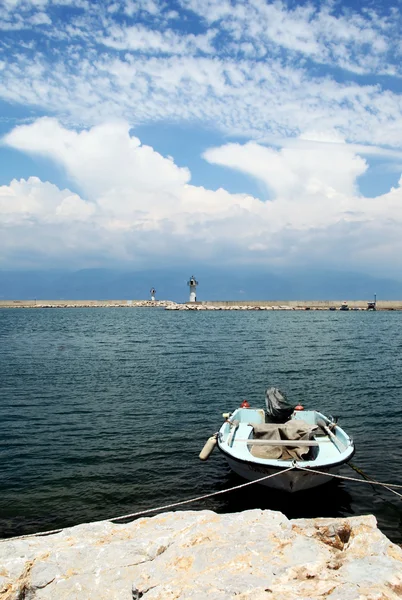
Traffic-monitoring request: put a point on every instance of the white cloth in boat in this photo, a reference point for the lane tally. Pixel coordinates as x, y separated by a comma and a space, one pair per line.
294, 430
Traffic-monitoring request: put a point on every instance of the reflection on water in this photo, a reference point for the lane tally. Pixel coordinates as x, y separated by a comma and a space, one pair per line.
103, 411
328, 500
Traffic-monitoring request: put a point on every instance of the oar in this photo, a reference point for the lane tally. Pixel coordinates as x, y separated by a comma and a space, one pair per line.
340, 446
233, 428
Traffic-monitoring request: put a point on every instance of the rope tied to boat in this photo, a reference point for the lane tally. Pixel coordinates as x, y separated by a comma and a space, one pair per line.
294, 466
159, 508
387, 486
204, 497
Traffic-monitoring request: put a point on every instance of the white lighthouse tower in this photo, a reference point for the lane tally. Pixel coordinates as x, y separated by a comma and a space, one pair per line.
152, 291
192, 282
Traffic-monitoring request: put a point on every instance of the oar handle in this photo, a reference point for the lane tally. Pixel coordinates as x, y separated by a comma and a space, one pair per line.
340, 445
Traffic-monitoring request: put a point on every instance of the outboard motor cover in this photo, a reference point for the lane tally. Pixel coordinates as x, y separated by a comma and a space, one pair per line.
278, 408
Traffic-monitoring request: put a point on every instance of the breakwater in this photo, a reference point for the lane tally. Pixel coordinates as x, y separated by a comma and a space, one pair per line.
84, 303
205, 305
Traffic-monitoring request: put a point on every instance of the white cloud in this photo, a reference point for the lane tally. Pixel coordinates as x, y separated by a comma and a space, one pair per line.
103, 160
142, 39
240, 98
254, 70
33, 201
292, 172
358, 42
264, 71
136, 205
132, 7
40, 18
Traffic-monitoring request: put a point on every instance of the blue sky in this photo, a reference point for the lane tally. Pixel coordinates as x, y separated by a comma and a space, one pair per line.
141, 132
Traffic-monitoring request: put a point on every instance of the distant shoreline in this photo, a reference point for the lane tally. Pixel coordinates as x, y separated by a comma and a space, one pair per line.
205, 305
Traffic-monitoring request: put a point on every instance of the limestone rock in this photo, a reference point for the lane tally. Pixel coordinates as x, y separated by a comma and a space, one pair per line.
258, 555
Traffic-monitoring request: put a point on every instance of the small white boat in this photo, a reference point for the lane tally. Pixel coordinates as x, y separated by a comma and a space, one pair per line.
255, 446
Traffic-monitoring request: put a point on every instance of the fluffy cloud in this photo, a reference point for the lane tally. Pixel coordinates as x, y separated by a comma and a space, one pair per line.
315, 87
103, 159
136, 205
34, 202
291, 172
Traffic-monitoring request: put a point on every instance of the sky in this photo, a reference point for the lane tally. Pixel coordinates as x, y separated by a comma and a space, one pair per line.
149, 133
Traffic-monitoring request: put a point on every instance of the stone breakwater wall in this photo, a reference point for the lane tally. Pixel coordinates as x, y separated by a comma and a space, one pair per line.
302, 304
206, 305
255, 555
85, 303
284, 305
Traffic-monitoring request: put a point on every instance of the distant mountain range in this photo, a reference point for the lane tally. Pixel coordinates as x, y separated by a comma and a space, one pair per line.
214, 284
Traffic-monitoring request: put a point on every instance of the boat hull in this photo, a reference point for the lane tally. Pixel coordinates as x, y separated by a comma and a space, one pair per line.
296, 480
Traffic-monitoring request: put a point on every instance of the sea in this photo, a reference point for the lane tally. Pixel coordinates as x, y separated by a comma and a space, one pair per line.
103, 411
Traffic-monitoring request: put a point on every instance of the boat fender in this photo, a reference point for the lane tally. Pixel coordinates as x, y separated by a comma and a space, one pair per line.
299, 407
244, 404
208, 448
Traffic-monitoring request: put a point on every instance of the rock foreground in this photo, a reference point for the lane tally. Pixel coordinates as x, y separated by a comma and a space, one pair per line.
199, 554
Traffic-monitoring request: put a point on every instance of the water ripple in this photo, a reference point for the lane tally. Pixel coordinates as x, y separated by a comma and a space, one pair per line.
103, 412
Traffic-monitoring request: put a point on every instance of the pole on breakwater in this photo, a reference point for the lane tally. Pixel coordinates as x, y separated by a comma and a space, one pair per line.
372, 305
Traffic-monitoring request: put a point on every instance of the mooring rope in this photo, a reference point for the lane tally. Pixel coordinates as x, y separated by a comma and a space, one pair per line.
236, 487
157, 509
387, 486
295, 466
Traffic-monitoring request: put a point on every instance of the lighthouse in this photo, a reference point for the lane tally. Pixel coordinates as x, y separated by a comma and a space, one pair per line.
152, 291
192, 282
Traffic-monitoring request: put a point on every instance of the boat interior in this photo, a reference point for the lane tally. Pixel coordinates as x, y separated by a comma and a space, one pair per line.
308, 436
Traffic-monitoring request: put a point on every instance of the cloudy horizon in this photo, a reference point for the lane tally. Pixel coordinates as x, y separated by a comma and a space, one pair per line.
143, 133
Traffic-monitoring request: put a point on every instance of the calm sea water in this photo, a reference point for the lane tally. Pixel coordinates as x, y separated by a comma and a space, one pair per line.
103, 411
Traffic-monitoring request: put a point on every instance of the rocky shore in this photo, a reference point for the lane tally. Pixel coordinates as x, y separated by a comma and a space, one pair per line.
195, 555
